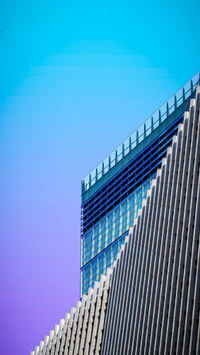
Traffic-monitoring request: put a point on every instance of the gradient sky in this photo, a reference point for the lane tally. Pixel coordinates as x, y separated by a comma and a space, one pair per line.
76, 77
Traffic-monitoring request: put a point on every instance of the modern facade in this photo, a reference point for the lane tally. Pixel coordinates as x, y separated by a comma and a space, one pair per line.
113, 192
148, 302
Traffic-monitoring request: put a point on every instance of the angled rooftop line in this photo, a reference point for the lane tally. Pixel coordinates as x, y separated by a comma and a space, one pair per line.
140, 138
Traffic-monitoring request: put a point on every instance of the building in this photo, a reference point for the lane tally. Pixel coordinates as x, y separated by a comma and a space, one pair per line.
148, 302
113, 192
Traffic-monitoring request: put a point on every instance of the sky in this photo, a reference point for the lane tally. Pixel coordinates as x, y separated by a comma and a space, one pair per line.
76, 78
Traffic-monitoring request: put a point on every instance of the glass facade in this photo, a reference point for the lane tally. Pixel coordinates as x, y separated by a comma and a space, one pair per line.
113, 195
101, 243
113, 225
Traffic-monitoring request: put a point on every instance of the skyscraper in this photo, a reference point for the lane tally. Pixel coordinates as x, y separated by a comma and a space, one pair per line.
149, 301
113, 192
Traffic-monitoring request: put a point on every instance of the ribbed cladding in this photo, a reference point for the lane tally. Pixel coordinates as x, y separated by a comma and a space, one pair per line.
80, 333
154, 300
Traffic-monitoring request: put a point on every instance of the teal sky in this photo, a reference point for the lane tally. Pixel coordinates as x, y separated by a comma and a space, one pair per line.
164, 32
75, 79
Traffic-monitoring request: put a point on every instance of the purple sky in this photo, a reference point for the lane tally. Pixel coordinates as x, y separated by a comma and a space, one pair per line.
74, 82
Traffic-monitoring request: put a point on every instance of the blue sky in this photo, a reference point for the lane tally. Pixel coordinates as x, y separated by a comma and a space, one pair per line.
75, 79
